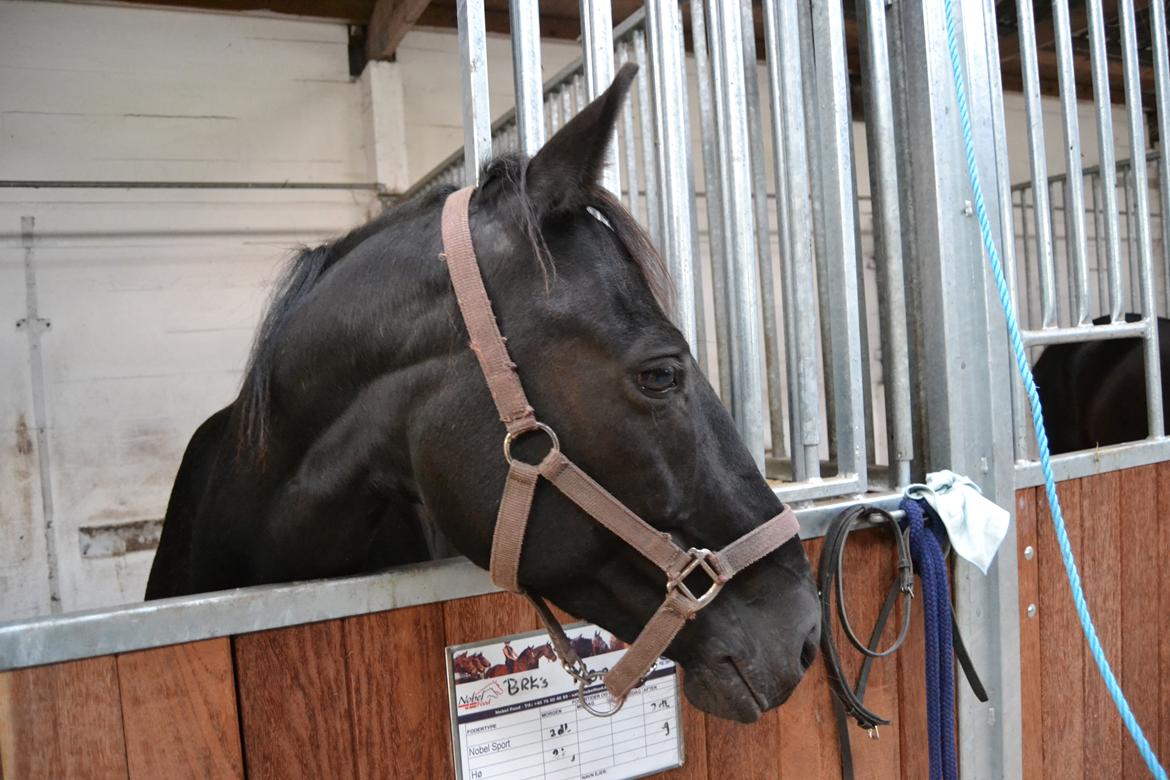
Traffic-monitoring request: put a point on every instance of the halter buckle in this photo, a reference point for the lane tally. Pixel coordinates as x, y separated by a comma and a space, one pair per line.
701, 558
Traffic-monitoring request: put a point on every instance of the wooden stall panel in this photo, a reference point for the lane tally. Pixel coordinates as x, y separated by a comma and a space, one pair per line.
484, 617
1061, 647
62, 721
294, 703
179, 712
1100, 563
1030, 682
1140, 566
1163, 610
807, 730
398, 687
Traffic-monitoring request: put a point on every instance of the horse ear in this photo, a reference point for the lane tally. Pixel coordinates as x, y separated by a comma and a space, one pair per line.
560, 174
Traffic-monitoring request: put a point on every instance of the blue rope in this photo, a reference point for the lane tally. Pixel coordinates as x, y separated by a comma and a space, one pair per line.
1025, 370
928, 558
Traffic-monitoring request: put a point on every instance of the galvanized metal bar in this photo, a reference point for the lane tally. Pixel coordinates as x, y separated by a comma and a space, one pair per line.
881, 141
1099, 460
701, 344
963, 348
34, 327
597, 55
841, 249
1159, 45
713, 197
1028, 264
1079, 333
721, 268
790, 158
477, 112
1140, 174
664, 26
1103, 105
1022, 437
1034, 112
747, 398
813, 134
1099, 245
630, 148
1075, 202
650, 140
1131, 254
524, 16
773, 361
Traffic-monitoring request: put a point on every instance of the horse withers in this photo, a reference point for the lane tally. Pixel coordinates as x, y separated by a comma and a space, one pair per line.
362, 403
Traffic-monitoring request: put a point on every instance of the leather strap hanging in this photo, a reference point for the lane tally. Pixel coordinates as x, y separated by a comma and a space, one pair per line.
520, 487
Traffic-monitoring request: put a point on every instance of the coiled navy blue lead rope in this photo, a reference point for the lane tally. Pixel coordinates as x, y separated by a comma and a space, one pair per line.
926, 551
1025, 370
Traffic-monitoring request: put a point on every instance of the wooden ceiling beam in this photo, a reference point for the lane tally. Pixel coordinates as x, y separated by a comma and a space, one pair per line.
389, 23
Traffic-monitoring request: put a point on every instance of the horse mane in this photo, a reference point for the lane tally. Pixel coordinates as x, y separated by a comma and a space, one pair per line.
302, 273
307, 268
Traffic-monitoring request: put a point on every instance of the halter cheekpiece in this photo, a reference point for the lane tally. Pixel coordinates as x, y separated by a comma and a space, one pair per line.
519, 419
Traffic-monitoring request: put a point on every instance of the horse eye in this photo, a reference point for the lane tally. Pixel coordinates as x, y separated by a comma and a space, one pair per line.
657, 381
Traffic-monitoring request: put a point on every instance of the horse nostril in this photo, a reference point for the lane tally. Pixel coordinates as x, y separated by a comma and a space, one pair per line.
808, 653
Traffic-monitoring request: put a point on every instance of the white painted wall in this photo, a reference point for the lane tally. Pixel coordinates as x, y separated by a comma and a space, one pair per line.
152, 294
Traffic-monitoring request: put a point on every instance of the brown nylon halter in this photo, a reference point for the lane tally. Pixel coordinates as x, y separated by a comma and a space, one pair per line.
516, 503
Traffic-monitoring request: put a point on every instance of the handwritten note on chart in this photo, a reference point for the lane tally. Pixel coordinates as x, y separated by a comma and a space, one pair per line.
515, 713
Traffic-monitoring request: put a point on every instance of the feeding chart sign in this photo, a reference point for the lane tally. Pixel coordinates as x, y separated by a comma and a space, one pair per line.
527, 723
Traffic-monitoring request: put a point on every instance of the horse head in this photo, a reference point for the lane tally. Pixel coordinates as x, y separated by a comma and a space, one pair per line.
576, 288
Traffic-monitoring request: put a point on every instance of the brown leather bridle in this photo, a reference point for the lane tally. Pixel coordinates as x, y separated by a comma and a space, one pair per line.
516, 503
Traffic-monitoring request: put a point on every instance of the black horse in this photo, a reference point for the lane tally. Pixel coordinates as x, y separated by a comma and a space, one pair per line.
362, 401
1094, 393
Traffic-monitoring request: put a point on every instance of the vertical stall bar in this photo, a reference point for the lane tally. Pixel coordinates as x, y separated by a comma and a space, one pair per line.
747, 402
1099, 245
713, 196
1141, 186
650, 141
887, 223
836, 157
721, 269
1038, 164
772, 358
782, 41
1075, 242
1107, 164
629, 147
1131, 254
664, 25
597, 54
962, 349
477, 118
814, 132
525, 19
1160, 44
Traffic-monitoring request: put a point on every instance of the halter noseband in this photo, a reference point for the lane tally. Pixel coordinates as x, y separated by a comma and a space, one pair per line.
516, 503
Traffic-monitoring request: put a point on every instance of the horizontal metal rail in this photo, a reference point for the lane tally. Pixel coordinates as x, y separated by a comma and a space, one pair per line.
1101, 460
1080, 333
56, 638
1090, 170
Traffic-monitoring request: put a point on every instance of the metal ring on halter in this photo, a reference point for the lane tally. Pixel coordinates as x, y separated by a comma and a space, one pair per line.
595, 712
700, 559
509, 438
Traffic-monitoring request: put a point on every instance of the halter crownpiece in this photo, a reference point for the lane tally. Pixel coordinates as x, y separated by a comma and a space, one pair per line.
519, 419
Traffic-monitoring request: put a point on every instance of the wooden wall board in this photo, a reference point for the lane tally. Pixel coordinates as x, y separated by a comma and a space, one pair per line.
1030, 662
62, 721
1163, 541
1061, 649
1100, 564
179, 712
295, 711
398, 686
1137, 521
